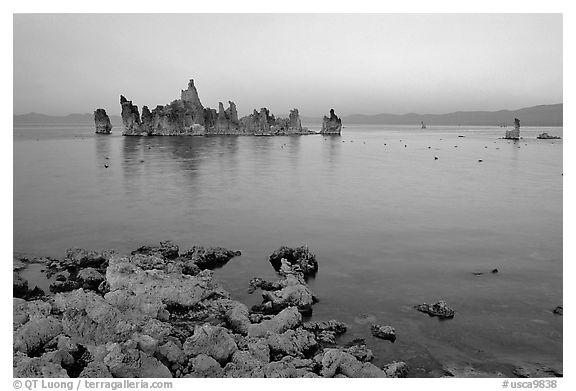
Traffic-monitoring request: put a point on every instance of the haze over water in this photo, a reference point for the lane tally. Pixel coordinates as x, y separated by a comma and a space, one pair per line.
391, 226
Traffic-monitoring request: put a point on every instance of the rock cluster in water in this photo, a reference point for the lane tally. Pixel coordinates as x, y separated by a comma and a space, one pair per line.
546, 136
514, 134
102, 122
187, 116
439, 309
332, 124
158, 312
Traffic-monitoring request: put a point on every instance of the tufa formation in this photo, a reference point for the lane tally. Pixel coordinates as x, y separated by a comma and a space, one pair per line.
332, 125
514, 134
102, 122
188, 117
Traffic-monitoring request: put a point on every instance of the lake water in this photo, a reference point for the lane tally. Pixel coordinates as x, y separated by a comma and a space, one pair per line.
391, 226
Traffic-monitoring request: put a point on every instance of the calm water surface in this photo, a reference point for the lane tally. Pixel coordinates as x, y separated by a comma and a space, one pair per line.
391, 226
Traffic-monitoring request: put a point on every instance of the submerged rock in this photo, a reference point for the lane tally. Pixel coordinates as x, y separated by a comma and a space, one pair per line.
102, 122
439, 309
383, 332
559, 310
331, 125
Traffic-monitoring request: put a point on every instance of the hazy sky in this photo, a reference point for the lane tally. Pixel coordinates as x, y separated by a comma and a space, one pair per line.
356, 63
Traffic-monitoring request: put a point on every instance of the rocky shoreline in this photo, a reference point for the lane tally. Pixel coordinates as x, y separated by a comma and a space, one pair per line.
158, 313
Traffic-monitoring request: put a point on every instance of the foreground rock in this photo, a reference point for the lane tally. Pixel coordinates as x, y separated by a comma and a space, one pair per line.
291, 289
439, 309
331, 125
187, 116
19, 286
102, 122
537, 371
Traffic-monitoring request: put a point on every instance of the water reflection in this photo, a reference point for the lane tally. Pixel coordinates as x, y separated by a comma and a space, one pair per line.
331, 148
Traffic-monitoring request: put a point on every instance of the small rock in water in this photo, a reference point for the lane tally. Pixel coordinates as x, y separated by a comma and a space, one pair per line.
493, 271
439, 309
384, 332
558, 310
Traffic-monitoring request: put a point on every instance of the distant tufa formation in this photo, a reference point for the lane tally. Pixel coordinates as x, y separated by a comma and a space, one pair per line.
102, 122
332, 125
514, 134
186, 116
546, 136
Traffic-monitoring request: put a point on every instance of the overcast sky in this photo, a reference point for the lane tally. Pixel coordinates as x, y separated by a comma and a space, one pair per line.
355, 63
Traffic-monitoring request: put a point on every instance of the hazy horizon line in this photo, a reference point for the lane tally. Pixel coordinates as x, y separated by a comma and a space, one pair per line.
343, 115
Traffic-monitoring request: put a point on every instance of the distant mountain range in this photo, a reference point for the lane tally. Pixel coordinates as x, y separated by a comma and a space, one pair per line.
80, 119
543, 115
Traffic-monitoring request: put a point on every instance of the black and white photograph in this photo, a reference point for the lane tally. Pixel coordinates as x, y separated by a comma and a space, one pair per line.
286, 195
